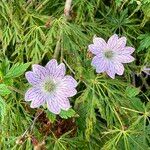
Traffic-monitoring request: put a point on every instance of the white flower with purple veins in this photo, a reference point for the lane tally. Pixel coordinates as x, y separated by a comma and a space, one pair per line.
110, 56
146, 70
51, 86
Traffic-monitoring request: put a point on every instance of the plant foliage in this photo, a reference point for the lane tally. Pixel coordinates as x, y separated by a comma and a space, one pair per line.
106, 114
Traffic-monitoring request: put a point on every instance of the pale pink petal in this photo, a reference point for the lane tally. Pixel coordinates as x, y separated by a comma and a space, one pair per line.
99, 63
51, 66
67, 91
95, 49
69, 80
96, 61
67, 87
110, 70
32, 94
32, 78
119, 68
38, 101
126, 50
63, 102
146, 70
112, 41
52, 105
40, 71
125, 58
60, 71
99, 42
121, 43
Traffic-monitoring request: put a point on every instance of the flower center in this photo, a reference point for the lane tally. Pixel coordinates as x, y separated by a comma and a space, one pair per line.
109, 54
49, 86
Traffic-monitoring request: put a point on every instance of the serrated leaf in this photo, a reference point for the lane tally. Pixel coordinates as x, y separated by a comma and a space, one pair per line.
51, 116
17, 70
91, 116
67, 114
132, 91
144, 42
4, 90
136, 104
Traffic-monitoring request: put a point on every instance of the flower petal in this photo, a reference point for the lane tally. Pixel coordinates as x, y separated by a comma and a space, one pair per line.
127, 50
96, 61
51, 66
63, 102
146, 70
32, 78
110, 70
71, 92
67, 86
36, 96
125, 58
119, 68
99, 63
52, 105
60, 71
66, 91
38, 101
32, 93
40, 71
70, 81
112, 41
99, 42
95, 49
121, 43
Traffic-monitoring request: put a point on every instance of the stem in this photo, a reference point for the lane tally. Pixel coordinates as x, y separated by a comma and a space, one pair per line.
22, 138
57, 49
137, 9
33, 123
41, 5
68, 66
123, 5
67, 15
67, 8
15, 90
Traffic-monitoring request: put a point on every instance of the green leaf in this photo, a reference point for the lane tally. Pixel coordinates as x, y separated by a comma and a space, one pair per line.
118, 2
51, 116
90, 116
67, 114
4, 90
144, 42
132, 91
136, 104
17, 70
2, 109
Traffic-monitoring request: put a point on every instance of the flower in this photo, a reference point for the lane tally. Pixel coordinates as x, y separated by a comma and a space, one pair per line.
110, 56
146, 70
50, 85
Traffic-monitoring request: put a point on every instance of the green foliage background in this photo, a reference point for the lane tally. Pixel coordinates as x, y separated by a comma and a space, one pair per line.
109, 114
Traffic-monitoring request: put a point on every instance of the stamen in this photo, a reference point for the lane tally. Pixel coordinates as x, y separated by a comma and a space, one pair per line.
109, 54
49, 86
